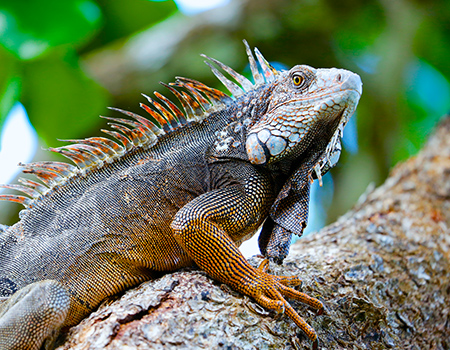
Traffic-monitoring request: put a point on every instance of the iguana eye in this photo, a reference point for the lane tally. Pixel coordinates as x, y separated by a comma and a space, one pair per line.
297, 80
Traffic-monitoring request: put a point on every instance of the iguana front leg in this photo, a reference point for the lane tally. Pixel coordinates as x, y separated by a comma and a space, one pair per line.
205, 227
33, 316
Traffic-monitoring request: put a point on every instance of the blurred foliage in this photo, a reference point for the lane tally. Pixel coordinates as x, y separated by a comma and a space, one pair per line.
67, 60
41, 43
41, 38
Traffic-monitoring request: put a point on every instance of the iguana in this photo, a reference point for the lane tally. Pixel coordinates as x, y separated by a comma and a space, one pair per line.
185, 186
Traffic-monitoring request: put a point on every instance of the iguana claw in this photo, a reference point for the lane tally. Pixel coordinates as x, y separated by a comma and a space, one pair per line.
269, 291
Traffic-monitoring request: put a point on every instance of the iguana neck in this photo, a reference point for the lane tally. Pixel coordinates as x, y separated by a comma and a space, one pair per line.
242, 115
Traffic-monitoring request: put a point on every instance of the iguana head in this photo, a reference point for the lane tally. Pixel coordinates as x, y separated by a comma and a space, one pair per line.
299, 108
303, 102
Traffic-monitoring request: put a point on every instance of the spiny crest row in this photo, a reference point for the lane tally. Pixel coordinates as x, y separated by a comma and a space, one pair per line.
139, 131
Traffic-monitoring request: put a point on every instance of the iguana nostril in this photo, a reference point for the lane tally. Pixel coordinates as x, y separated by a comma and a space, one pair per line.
352, 81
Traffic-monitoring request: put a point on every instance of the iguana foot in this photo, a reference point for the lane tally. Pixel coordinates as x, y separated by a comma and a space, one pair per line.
269, 291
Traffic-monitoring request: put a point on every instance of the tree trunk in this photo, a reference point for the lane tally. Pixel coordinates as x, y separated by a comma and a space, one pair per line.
382, 271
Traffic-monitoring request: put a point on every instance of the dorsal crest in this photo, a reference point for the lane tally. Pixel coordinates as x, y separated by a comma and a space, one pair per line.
197, 101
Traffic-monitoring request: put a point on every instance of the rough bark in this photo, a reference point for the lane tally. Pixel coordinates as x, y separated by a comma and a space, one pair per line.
382, 270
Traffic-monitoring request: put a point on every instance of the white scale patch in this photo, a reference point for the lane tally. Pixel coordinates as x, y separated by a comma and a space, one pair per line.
224, 144
224, 140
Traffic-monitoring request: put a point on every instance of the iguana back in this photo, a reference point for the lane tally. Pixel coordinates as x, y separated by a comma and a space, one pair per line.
176, 193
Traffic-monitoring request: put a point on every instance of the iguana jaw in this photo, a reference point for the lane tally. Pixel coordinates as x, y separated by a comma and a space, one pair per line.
327, 98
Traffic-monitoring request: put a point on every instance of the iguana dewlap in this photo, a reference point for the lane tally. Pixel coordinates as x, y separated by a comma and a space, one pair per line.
182, 187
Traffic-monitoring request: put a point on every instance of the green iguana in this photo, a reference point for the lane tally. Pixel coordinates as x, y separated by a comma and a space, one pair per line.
180, 188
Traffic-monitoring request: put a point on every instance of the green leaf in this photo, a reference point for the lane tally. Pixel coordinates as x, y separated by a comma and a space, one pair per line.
62, 102
28, 29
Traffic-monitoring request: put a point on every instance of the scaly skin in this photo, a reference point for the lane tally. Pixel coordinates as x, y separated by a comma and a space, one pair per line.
185, 193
